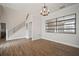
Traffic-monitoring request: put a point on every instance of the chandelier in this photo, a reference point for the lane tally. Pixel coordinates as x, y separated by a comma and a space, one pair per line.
44, 11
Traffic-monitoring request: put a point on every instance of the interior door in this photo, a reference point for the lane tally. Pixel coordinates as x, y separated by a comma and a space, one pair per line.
3, 30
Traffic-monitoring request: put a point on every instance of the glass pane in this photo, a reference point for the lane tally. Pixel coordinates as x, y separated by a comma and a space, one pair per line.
69, 21
60, 23
60, 31
51, 20
60, 18
69, 17
69, 31
69, 26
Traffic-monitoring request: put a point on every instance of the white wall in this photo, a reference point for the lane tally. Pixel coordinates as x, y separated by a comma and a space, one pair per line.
69, 39
16, 13
0, 18
0, 11
0, 21
13, 17
36, 27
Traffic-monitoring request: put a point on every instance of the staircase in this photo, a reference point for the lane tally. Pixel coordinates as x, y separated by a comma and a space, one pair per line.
17, 28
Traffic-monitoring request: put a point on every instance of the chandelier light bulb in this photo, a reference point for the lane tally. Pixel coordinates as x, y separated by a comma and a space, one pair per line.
44, 11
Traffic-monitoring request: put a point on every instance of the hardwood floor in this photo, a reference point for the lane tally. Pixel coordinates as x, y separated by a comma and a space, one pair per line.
40, 47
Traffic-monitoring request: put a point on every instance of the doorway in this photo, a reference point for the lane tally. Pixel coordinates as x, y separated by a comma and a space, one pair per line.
3, 31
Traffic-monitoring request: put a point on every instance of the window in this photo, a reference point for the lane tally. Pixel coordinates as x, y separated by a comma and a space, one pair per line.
51, 25
64, 24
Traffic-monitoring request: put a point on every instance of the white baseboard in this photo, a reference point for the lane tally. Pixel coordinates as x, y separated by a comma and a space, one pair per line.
73, 45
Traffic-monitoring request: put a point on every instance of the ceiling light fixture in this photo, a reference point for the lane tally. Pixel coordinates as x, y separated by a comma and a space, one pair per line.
44, 11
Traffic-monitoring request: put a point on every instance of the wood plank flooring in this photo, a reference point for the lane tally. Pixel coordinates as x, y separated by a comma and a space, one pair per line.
40, 47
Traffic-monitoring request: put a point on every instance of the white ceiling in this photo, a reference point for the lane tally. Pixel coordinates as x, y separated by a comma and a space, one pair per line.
33, 7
